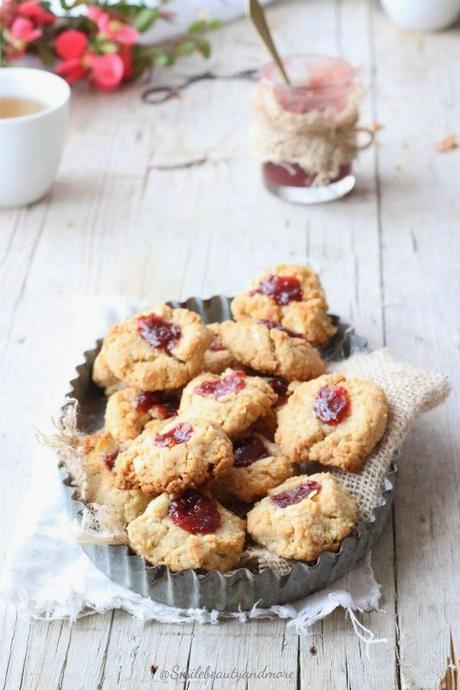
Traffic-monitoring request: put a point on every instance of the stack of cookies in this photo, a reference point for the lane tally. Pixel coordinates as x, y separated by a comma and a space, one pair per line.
206, 423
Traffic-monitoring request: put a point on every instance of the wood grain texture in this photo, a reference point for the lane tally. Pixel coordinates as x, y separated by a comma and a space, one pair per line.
164, 202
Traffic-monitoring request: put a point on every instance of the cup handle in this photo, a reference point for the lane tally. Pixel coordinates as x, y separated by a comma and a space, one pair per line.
370, 133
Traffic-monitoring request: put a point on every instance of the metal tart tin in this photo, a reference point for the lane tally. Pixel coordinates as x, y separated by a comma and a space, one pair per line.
242, 588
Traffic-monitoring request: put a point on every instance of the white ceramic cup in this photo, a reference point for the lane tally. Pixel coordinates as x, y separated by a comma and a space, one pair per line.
422, 15
31, 145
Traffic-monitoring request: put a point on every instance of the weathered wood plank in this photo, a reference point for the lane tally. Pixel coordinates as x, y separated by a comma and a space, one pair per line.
154, 654
418, 95
14, 635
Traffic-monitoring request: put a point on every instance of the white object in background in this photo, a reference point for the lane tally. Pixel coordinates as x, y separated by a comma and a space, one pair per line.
422, 15
31, 145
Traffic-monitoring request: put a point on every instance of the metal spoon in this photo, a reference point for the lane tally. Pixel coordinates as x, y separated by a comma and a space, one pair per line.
257, 16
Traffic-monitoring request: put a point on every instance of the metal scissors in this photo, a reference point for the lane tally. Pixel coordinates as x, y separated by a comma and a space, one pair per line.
164, 92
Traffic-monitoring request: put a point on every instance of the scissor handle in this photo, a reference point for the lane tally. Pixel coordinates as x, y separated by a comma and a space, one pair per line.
164, 92
159, 94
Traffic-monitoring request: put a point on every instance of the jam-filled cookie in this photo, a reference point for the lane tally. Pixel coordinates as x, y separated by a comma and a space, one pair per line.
269, 348
192, 531
129, 410
304, 517
291, 296
158, 349
217, 358
334, 421
98, 463
258, 467
174, 455
103, 376
231, 401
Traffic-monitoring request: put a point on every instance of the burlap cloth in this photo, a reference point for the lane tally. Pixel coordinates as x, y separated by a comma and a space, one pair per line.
319, 141
410, 392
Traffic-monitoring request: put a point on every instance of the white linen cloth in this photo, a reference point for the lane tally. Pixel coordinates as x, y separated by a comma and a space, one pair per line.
47, 575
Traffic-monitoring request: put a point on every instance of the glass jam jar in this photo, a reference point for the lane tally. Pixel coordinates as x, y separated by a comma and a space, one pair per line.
305, 132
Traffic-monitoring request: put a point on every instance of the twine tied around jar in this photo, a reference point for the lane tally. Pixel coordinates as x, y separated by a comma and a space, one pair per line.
320, 142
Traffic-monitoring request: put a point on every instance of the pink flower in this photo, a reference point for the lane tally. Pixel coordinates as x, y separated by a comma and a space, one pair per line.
104, 71
113, 29
7, 12
32, 9
21, 32
72, 70
71, 44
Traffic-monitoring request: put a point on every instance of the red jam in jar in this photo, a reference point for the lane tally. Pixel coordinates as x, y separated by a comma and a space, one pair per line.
248, 449
332, 404
160, 334
217, 388
157, 404
281, 289
321, 92
292, 175
180, 433
291, 496
195, 513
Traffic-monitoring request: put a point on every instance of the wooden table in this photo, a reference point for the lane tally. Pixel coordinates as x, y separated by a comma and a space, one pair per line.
164, 202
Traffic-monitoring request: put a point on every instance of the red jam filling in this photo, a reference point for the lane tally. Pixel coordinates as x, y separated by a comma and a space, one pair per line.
178, 434
291, 496
281, 388
292, 175
273, 324
195, 513
164, 410
156, 404
332, 404
281, 289
216, 345
247, 450
216, 388
157, 332
109, 460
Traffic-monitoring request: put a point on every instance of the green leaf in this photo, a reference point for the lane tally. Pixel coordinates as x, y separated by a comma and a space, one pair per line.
106, 48
186, 48
67, 6
144, 53
145, 18
203, 47
198, 27
163, 58
102, 46
46, 54
202, 25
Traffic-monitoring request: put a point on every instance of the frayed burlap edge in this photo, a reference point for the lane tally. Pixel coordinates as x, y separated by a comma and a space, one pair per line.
97, 524
410, 392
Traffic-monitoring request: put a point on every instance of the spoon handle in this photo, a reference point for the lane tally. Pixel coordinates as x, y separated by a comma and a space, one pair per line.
257, 15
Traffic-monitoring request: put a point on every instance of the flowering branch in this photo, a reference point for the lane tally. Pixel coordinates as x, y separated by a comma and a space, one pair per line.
101, 44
